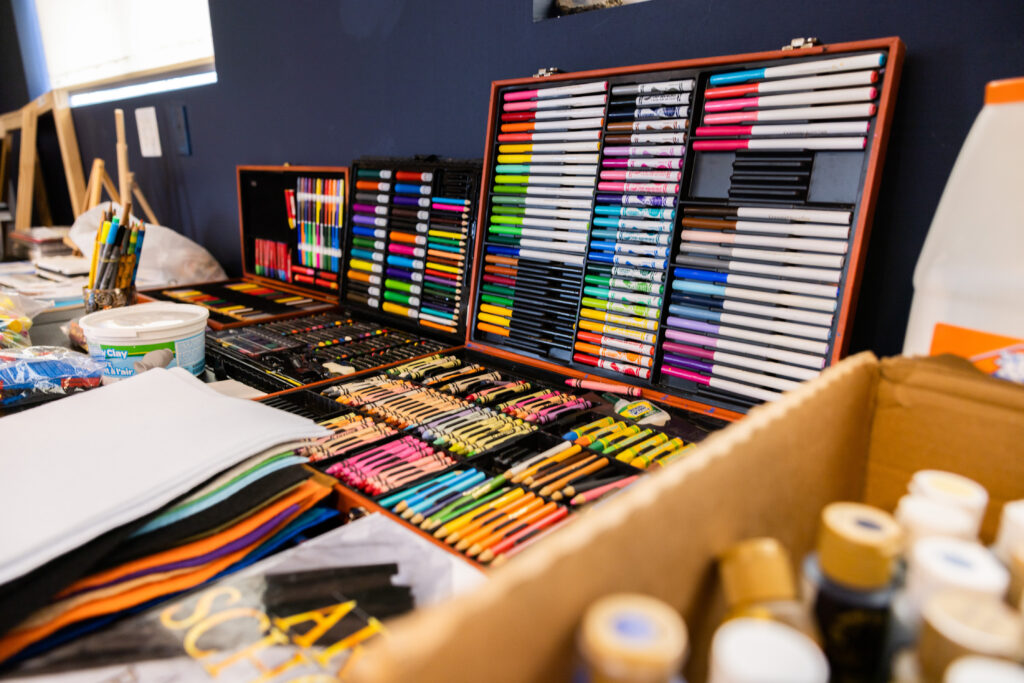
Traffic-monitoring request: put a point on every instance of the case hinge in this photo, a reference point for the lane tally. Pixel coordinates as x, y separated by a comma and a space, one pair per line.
801, 43
547, 71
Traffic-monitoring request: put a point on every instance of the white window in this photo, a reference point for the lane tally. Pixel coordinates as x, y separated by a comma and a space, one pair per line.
109, 49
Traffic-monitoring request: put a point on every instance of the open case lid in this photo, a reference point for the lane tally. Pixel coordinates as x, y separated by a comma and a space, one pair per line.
696, 228
292, 223
410, 242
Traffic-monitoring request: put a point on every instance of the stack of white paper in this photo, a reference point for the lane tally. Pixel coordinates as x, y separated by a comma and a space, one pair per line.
79, 467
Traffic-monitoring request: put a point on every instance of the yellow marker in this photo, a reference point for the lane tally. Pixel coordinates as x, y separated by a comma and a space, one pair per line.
614, 319
400, 310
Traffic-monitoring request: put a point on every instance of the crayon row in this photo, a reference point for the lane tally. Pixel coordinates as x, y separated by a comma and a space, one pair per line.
273, 259
641, 173
243, 301
319, 218
626, 442
523, 399
777, 119
461, 427
365, 455
115, 254
480, 516
539, 215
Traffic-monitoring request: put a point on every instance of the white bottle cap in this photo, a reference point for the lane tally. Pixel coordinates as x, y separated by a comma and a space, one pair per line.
762, 651
923, 517
1011, 531
952, 489
939, 563
983, 670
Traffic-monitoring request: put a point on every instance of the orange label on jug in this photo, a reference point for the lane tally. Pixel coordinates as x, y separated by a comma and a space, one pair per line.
993, 354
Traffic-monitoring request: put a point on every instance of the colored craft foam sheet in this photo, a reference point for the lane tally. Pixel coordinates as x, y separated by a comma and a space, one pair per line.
270, 519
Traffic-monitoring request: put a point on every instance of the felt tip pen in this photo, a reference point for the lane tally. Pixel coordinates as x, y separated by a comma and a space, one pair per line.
790, 357
799, 98
711, 289
784, 369
794, 243
870, 61
788, 341
707, 145
831, 128
841, 232
837, 80
563, 124
680, 85
614, 366
786, 257
555, 103
558, 91
836, 111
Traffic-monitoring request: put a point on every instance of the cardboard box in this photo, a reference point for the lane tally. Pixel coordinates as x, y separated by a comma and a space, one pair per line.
857, 432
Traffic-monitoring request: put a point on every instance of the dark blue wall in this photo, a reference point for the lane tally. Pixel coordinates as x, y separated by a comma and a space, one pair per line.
325, 81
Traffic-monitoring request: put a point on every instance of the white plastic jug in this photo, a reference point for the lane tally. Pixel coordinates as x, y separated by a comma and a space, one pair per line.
969, 280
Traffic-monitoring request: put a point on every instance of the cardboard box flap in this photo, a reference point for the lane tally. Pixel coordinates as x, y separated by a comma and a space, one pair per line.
750, 479
930, 413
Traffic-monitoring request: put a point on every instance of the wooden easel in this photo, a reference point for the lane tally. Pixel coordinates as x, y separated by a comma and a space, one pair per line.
30, 185
99, 180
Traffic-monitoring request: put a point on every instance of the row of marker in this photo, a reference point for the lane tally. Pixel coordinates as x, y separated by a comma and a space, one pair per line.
540, 210
641, 172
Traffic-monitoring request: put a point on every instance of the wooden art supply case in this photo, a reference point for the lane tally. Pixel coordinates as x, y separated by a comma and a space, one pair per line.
696, 228
292, 231
407, 247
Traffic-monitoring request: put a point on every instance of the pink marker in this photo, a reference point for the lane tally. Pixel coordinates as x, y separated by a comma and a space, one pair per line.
657, 176
830, 128
780, 144
542, 93
641, 188
838, 111
800, 98
584, 101
790, 84
406, 250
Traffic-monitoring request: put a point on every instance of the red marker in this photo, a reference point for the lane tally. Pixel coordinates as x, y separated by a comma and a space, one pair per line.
791, 84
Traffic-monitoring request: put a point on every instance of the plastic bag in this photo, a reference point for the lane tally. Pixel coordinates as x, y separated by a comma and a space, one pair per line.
42, 373
16, 313
168, 258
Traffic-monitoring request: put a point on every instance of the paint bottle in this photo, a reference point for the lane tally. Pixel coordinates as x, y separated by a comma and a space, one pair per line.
630, 638
939, 564
758, 581
987, 669
850, 581
921, 517
957, 624
1011, 531
746, 650
954, 490
968, 277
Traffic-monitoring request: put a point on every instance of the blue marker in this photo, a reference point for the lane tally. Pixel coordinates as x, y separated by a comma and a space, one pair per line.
803, 68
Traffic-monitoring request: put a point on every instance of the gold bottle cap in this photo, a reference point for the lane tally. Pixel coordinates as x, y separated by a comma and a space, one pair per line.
858, 545
632, 636
957, 623
756, 570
